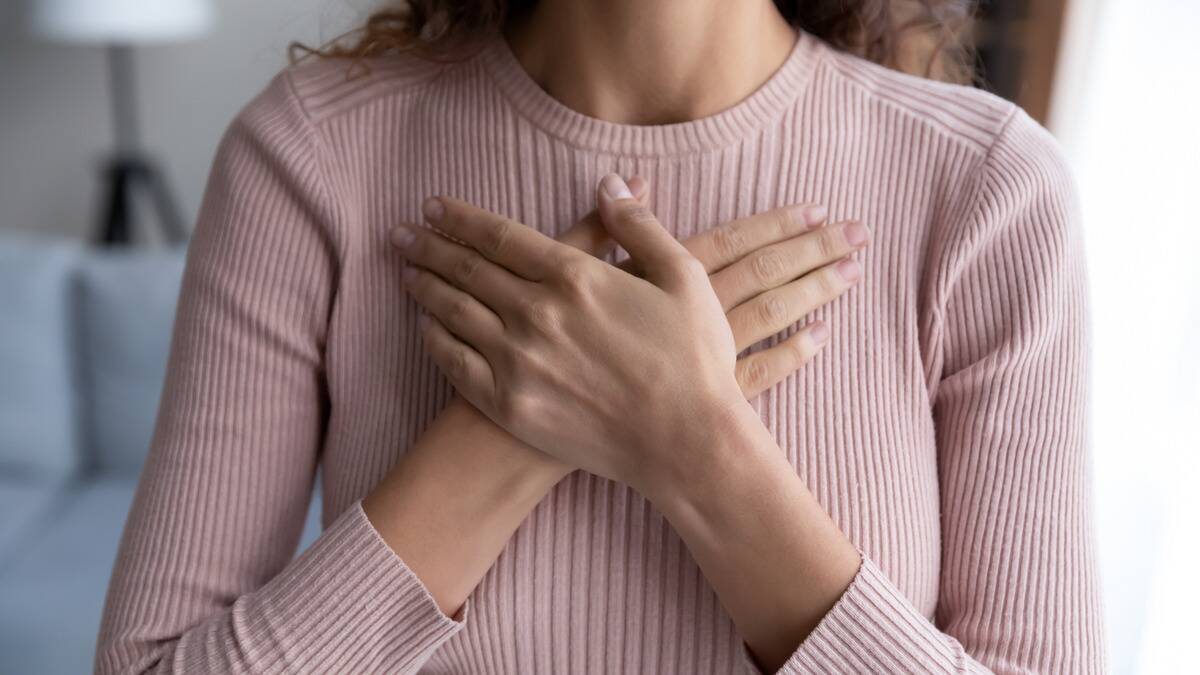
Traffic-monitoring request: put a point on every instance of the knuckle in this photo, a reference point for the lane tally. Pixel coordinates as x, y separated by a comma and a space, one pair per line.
829, 284
773, 311
467, 266
542, 315
639, 215
795, 353
507, 359
783, 222
754, 374
496, 236
692, 265
456, 310
729, 240
827, 245
808, 295
574, 274
454, 364
690, 269
768, 267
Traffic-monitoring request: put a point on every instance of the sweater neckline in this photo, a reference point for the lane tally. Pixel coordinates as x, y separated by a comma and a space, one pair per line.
764, 104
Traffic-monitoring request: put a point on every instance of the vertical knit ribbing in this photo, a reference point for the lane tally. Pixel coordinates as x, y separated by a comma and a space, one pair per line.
942, 427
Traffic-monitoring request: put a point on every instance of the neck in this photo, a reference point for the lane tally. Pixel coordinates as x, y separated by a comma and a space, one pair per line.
651, 62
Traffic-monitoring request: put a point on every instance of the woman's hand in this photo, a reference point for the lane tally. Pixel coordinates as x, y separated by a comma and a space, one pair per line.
571, 354
770, 270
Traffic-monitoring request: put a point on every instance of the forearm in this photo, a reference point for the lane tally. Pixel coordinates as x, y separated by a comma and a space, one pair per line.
452, 502
774, 557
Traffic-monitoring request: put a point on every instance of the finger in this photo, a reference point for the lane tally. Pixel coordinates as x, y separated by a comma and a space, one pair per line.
762, 370
779, 308
635, 228
777, 264
463, 267
513, 246
589, 234
725, 244
466, 368
459, 312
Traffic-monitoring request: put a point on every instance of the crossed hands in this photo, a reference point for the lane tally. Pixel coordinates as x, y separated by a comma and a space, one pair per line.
621, 370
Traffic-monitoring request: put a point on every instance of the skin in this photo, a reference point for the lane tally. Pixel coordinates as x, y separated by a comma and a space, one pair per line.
521, 424
639, 62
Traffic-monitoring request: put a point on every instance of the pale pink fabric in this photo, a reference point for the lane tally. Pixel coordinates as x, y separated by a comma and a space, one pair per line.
943, 427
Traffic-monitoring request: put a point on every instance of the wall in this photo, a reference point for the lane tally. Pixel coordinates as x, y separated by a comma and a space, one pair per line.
55, 124
1133, 143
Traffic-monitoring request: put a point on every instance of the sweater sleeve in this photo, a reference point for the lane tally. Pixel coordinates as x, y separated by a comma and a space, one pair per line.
205, 578
1018, 588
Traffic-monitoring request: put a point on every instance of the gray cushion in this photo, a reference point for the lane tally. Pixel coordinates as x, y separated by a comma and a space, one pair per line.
38, 434
25, 505
126, 313
52, 590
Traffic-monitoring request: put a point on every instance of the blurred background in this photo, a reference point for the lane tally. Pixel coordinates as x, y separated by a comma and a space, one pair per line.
110, 111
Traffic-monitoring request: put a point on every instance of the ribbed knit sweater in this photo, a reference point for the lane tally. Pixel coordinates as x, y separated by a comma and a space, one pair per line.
943, 427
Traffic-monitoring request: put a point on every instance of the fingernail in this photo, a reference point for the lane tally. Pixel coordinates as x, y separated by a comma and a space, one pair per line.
402, 236
856, 234
433, 209
815, 215
637, 185
819, 332
615, 187
408, 275
849, 269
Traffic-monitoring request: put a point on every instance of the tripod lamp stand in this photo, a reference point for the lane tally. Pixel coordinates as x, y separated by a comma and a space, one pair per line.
119, 26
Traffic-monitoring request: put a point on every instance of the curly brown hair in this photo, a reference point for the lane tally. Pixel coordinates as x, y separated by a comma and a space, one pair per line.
929, 38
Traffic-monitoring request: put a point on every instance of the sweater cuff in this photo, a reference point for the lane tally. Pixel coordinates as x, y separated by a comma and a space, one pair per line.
873, 628
350, 600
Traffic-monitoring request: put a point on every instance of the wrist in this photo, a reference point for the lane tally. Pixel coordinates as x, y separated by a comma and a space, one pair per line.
754, 527
454, 499
720, 434
475, 469
462, 433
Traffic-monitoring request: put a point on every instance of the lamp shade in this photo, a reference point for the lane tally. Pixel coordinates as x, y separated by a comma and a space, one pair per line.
121, 21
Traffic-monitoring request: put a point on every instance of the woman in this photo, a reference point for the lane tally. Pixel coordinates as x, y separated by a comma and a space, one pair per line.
611, 491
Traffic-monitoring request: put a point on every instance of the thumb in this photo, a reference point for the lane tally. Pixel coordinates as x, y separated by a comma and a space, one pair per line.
636, 228
589, 235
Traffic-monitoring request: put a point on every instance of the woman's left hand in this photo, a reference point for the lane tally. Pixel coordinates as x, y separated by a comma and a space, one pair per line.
612, 373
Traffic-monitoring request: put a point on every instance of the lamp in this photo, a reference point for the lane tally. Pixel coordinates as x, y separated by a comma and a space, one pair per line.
119, 25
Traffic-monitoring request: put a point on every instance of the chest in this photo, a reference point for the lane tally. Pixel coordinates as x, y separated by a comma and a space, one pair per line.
854, 422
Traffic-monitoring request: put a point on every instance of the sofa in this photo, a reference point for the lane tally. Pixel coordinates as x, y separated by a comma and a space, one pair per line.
84, 339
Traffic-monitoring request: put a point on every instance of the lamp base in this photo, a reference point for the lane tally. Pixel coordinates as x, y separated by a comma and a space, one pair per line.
126, 177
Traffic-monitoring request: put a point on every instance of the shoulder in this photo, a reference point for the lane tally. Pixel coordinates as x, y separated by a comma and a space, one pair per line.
1011, 179
1012, 187
323, 88
1005, 139
301, 97
289, 116
1015, 161
966, 115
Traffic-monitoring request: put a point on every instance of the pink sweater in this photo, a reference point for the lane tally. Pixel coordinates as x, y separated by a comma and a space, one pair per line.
943, 427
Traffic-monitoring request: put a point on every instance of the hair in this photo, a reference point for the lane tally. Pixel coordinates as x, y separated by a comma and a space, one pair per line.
929, 38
